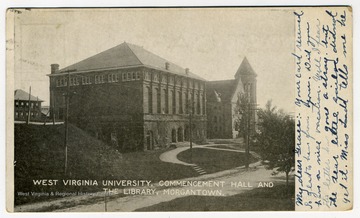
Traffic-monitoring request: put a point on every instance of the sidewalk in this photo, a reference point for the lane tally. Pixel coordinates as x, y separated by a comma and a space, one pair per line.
171, 156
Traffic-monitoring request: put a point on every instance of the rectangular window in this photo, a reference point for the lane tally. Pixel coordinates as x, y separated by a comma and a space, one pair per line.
164, 78
147, 76
158, 101
156, 77
149, 100
171, 81
124, 78
138, 75
173, 93
112, 78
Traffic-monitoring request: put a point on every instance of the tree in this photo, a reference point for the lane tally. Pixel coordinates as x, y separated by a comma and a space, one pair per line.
275, 139
244, 123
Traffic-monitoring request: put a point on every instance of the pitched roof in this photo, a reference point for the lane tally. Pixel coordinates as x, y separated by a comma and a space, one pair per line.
24, 96
127, 55
222, 89
245, 69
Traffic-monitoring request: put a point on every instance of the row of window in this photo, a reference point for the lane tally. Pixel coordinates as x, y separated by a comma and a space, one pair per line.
130, 76
99, 79
25, 114
32, 104
218, 119
74, 81
127, 76
177, 104
171, 80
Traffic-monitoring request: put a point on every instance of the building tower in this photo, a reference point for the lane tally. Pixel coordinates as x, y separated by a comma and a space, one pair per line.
248, 78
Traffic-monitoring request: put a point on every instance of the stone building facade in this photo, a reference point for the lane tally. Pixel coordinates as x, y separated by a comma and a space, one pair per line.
131, 98
222, 98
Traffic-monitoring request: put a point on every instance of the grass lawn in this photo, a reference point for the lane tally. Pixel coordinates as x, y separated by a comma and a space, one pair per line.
39, 154
214, 160
259, 199
229, 146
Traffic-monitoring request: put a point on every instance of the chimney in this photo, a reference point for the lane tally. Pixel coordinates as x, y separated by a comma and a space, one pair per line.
54, 68
187, 71
167, 65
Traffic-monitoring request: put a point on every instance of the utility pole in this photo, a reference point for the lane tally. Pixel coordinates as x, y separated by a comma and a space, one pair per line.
53, 107
190, 136
247, 108
190, 110
66, 121
247, 149
29, 108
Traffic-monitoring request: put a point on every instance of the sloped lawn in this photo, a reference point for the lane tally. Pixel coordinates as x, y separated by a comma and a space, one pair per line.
39, 154
214, 160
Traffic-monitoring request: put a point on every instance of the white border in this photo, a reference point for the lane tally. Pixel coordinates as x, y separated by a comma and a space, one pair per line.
159, 3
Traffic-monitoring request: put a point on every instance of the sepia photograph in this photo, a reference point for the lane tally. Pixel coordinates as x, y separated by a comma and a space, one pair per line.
175, 109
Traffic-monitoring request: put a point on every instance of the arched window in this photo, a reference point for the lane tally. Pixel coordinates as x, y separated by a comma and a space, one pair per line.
180, 135
173, 135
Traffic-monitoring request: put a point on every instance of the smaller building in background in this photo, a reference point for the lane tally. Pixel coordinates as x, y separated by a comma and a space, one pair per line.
25, 104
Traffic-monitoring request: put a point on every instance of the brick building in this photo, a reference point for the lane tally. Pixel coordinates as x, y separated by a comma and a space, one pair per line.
131, 98
222, 98
23, 106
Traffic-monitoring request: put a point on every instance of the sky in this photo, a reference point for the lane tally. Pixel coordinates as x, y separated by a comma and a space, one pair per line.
211, 42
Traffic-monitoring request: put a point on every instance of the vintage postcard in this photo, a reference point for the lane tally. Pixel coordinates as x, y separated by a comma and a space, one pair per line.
179, 109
